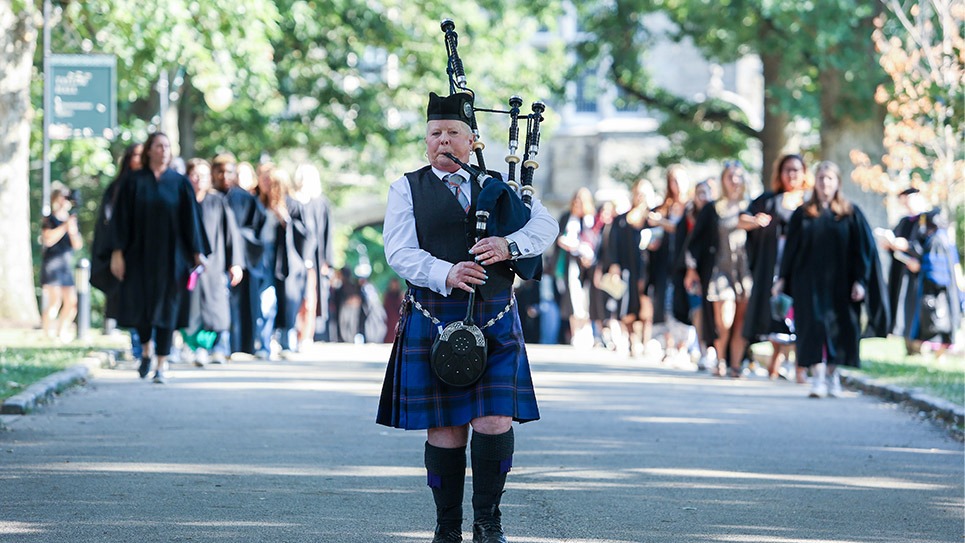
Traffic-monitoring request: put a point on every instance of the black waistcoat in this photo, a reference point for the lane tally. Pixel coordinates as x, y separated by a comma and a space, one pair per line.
447, 233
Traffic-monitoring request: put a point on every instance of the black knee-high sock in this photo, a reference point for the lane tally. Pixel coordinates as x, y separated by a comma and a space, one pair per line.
446, 472
492, 458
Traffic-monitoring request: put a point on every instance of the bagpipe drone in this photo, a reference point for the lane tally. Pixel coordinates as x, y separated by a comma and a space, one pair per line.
506, 204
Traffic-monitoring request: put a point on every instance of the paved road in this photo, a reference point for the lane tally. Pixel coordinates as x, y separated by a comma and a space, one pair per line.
626, 452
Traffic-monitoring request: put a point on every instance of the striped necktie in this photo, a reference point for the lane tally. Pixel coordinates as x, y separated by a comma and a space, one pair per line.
454, 181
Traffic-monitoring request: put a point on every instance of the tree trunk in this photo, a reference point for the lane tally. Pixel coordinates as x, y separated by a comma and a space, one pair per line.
841, 132
774, 132
18, 41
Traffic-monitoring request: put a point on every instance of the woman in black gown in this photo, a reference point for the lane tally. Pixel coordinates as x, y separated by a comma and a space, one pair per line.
767, 230
157, 239
830, 267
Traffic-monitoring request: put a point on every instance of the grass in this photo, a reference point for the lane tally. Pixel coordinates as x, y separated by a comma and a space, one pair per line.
26, 356
885, 361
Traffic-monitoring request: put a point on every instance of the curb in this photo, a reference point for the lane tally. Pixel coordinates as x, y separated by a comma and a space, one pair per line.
936, 408
48, 388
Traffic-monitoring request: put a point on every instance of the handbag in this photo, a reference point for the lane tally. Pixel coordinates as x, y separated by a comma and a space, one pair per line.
934, 316
613, 285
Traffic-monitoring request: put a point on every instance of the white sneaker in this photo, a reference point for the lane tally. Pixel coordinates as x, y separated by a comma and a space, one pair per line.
819, 388
834, 385
200, 358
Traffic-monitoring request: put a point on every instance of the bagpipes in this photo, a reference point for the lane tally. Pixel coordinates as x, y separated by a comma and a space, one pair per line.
508, 203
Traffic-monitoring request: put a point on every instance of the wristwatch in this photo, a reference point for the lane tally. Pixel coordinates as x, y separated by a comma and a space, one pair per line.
513, 250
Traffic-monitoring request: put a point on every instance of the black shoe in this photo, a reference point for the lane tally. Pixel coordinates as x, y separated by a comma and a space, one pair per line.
488, 531
447, 535
145, 367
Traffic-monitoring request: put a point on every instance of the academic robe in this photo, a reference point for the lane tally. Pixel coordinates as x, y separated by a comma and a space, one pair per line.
244, 302
294, 247
626, 253
157, 226
902, 283
824, 256
703, 244
659, 266
318, 220
100, 251
762, 252
226, 250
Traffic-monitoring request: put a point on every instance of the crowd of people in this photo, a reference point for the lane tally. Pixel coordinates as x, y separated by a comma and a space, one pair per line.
703, 272
217, 256
699, 271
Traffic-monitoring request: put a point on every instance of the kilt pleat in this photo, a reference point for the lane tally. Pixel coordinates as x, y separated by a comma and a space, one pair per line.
414, 398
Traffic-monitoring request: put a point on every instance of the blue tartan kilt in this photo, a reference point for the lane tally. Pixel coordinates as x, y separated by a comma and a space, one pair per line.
413, 398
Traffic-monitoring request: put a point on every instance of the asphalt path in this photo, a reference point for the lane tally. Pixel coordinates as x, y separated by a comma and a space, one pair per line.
626, 451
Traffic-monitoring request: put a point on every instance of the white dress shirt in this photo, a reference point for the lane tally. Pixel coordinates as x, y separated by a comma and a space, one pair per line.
424, 270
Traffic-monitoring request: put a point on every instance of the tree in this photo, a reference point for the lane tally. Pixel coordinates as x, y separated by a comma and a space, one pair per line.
20, 22
341, 84
817, 66
922, 51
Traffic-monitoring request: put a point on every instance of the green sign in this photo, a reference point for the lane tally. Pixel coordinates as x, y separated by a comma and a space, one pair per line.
83, 96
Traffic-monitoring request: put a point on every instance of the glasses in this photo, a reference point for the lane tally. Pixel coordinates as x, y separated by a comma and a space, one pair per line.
733, 164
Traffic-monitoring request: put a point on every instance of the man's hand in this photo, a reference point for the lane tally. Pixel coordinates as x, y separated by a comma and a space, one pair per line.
491, 250
464, 274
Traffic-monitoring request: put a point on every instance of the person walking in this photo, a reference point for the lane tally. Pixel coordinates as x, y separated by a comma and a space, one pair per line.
428, 229
101, 277
157, 239
575, 254
61, 237
287, 259
767, 233
224, 265
726, 281
938, 312
903, 243
250, 218
626, 259
830, 267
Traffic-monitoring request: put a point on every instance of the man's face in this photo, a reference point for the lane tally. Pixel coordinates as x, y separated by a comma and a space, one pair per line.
448, 136
224, 176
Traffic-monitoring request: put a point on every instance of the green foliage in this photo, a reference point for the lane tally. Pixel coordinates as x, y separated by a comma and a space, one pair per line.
339, 84
811, 38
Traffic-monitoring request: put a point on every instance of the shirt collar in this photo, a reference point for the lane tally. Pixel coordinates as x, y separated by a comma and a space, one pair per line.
442, 174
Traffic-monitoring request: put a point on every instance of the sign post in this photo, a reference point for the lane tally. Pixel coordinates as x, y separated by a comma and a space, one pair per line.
80, 101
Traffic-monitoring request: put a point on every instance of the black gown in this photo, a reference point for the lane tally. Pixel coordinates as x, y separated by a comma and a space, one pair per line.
294, 246
823, 258
318, 220
626, 253
902, 282
157, 225
762, 249
100, 252
245, 306
703, 244
226, 250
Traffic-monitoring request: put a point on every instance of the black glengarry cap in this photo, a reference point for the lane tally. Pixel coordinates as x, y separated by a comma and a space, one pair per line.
455, 107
